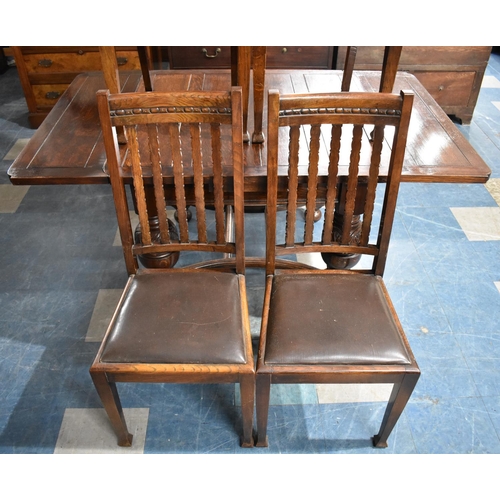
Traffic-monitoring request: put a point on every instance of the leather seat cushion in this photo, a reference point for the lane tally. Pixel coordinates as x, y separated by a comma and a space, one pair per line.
332, 319
179, 317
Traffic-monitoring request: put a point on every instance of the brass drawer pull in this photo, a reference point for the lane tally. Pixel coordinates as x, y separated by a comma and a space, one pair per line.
217, 52
284, 50
121, 61
45, 63
53, 95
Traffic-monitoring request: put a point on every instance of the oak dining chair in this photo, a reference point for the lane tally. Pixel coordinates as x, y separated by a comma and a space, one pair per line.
188, 324
333, 326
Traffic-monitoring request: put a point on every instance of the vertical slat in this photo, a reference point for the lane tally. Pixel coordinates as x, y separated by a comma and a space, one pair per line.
378, 138
331, 194
158, 182
312, 183
140, 196
198, 182
180, 197
352, 183
293, 168
218, 183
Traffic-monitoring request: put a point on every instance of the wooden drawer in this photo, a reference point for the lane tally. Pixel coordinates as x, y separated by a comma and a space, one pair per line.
75, 62
448, 88
199, 57
277, 57
299, 57
47, 95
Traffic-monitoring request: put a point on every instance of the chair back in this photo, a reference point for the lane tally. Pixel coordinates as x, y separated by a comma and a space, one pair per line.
320, 154
389, 68
182, 149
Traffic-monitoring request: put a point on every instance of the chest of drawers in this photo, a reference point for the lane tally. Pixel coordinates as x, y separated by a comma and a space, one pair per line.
46, 72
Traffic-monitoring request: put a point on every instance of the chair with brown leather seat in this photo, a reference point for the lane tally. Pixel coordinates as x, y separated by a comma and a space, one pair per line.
187, 324
333, 326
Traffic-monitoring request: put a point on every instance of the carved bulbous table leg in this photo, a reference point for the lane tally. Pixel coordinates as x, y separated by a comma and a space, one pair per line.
343, 261
158, 260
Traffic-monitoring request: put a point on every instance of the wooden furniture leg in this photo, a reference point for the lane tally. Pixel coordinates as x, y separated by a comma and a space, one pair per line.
111, 402
350, 59
259, 71
399, 397
247, 393
241, 58
146, 66
263, 393
389, 68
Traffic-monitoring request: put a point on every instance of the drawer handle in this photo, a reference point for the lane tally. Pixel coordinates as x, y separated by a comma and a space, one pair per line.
284, 50
121, 61
53, 95
45, 63
441, 87
217, 52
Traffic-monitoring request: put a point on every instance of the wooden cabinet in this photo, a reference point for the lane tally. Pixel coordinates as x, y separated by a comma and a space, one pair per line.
452, 75
277, 57
46, 72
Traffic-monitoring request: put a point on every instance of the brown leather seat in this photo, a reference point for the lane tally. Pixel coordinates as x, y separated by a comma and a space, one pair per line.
331, 328
190, 312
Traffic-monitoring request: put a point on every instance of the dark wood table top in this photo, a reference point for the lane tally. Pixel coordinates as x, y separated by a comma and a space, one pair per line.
67, 147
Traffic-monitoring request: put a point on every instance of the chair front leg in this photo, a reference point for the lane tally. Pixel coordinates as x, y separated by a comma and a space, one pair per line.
247, 392
263, 392
399, 397
111, 402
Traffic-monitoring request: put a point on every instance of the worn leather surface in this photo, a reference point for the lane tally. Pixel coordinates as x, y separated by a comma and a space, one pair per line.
179, 317
331, 319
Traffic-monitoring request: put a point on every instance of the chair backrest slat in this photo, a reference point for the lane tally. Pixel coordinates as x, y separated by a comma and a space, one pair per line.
156, 167
293, 184
344, 179
198, 182
184, 149
218, 182
174, 130
312, 182
377, 144
140, 194
331, 193
352, 183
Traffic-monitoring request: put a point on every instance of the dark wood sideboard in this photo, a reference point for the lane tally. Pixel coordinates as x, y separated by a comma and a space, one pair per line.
452, 75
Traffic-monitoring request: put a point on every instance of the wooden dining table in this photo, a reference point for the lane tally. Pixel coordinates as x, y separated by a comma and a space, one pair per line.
67, 148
